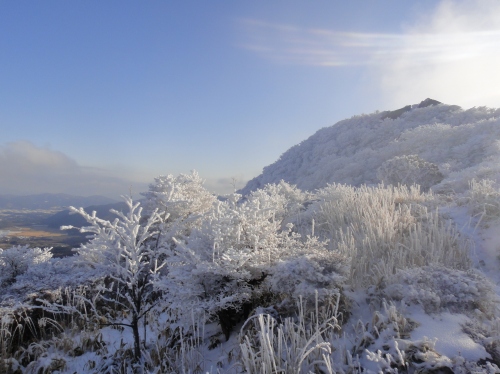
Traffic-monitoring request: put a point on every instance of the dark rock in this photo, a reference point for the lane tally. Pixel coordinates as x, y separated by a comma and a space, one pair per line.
428, 102
396, 113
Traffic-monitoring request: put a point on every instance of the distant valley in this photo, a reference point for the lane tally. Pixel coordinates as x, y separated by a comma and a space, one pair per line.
35, 220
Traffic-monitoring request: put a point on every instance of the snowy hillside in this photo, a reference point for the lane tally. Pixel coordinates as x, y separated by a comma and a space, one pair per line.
461, 144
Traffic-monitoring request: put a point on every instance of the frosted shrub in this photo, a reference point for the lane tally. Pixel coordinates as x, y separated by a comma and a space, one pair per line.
408, 357
316, 270
386, 324
385, 229
209, 270
438, 288
483, 199
16, 261
289, 201
50, 275
236, 258
409, 170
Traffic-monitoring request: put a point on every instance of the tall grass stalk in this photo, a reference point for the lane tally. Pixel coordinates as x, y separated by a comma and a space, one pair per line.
299, 346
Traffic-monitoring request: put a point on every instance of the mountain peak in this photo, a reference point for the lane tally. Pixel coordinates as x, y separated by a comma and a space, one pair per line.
428, 102
438, 136
398, 112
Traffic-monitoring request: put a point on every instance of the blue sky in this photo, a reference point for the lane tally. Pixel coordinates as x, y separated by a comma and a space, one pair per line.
98, 96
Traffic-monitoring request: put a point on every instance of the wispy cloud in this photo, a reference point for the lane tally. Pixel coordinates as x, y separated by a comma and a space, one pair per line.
29, 169
451, 53
320, 47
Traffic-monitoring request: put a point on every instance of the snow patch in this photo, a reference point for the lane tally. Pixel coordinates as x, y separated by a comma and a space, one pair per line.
446, 328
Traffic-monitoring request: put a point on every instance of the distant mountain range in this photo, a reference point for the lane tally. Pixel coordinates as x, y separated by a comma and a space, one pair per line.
457, 145
51, 201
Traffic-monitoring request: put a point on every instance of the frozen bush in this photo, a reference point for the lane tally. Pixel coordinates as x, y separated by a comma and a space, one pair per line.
53, 274
483, 199
316, 270
409, 170
290, 202
235, 259
17, 260
438, 288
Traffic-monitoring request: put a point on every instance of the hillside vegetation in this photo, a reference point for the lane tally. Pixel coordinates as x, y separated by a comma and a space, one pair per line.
376, 253
437, 145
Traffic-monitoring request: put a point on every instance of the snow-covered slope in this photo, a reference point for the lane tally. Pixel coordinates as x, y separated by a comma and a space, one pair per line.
462, 144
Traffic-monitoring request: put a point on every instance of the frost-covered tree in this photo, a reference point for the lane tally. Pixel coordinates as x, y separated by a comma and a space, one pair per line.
127, 252
182, 198
409, 170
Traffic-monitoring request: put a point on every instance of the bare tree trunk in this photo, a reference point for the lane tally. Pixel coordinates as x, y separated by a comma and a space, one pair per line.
137, 342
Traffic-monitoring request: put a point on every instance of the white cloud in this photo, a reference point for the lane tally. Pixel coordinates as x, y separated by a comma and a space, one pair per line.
454, 57
320, 47
451, 53
28, 169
